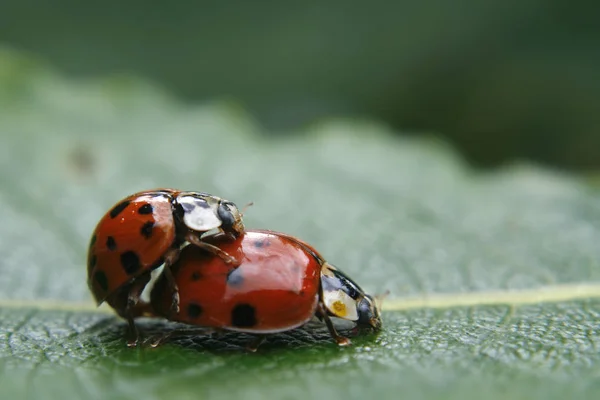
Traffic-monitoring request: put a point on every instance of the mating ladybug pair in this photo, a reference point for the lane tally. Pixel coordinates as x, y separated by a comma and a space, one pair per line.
216, 273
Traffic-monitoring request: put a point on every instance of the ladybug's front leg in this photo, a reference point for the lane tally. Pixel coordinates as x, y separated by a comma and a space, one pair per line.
196, 241
322, 313
134, 308
170, 258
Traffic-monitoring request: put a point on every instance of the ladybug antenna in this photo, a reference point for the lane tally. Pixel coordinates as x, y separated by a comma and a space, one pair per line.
245, 208
379, 298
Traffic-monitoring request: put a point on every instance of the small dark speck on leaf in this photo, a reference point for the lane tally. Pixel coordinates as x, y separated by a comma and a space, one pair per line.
80, 159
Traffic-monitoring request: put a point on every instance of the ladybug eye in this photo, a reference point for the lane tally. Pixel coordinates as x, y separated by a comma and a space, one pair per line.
369, 313
365, 310
226, 215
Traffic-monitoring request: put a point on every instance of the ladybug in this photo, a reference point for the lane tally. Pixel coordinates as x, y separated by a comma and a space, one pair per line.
146, 230
280, 284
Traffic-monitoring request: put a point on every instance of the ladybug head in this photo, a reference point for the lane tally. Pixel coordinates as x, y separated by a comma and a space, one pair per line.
231, 216
368, 313
202, 212
344, 299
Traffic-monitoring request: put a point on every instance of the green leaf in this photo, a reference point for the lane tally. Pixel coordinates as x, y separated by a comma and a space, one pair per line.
494, 276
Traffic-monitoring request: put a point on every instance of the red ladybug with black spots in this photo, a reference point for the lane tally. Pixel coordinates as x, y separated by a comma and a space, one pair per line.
146, 230
280, 284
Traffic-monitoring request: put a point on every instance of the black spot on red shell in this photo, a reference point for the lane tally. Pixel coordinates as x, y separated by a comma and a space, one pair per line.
118, 209
130, 262
110, 243
101, 279
196, 276
234, 277
93, 261
243, 316
146, 229
194, 310
146, 209
262, 243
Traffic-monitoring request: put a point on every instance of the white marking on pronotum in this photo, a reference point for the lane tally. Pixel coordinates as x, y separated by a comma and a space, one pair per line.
340, 304
199, 218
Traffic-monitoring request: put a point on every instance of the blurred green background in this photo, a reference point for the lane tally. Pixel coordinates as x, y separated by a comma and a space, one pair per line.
501, 80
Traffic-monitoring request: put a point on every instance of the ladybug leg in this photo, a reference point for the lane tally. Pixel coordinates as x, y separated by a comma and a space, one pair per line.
170, 258
132, 333
253, 345
340, 340
196, 241
227, 235
142, 309
135, 309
